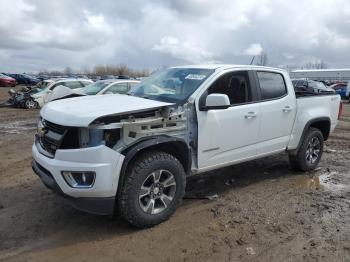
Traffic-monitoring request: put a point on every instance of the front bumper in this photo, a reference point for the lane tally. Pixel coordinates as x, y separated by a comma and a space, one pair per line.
105, 162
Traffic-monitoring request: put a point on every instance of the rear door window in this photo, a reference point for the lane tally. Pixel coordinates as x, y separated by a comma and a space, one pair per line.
272, 85
72, 84
120, 88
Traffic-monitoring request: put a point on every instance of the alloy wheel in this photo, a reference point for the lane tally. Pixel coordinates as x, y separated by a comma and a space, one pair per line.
313, 150
157, 191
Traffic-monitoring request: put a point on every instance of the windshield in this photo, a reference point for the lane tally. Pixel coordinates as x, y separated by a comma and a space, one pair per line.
43, 84
172, 85
94, 88
44, 87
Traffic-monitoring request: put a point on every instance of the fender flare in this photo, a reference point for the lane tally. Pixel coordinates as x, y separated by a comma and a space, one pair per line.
307, 126
148, 142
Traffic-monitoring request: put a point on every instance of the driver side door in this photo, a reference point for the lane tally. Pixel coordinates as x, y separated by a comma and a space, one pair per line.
227, 136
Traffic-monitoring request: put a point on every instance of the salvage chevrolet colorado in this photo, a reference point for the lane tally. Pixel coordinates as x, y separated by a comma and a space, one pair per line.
132, 153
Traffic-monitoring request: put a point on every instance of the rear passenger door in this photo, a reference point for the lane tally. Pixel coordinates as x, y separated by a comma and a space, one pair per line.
277, 112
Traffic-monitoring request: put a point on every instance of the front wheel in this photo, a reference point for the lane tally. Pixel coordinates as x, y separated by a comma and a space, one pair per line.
310, 151
31, 104
153, 187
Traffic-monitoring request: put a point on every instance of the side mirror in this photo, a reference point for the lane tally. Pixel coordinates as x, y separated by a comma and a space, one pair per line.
216, 101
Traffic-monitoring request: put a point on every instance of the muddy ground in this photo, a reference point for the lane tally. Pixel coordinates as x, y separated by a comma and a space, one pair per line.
264, 211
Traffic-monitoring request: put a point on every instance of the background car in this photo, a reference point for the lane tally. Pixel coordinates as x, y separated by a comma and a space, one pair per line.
6, 81
304, 85
25, 79
112, 86
73, 83
342, 88
105, 77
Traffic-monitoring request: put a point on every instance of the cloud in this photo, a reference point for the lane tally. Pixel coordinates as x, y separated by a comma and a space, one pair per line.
40, 34
288, 56
183, 50
254, 50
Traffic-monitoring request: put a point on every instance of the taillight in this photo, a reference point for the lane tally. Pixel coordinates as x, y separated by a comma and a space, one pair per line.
340, 113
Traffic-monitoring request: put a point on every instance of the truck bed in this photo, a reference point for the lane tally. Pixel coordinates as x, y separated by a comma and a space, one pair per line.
299, 94
317, 106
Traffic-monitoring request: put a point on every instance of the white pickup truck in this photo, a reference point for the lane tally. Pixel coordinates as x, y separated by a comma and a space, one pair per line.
132, 153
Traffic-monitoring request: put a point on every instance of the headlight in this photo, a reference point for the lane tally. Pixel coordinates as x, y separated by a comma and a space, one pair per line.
40, 127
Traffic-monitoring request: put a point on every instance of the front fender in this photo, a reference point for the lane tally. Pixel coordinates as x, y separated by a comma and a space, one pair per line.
176, 146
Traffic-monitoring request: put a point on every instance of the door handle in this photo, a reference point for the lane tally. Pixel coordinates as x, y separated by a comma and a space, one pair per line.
287, 109
250, 115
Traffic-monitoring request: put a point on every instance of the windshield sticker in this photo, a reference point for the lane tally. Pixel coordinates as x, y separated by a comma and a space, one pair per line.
195, 77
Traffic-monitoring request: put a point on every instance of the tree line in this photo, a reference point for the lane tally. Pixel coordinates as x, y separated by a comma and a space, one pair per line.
122, 69
99, 70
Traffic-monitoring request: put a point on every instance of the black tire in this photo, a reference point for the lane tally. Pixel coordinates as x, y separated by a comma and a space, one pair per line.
129, 199
302, 160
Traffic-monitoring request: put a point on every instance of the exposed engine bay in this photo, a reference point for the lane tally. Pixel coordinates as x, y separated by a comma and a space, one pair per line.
121, 131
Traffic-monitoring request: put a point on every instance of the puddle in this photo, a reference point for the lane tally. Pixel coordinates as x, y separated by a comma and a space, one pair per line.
328, 181
17, 127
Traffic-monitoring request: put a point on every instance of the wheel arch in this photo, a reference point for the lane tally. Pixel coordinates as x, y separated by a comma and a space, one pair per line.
321, 123
172, 145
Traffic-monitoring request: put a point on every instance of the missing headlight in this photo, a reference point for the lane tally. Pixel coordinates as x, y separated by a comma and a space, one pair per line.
111, 137
107, 137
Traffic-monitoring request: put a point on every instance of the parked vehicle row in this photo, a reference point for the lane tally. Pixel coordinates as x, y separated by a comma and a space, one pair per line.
24, 79
7, 81
304, 85
53, 89
342, 88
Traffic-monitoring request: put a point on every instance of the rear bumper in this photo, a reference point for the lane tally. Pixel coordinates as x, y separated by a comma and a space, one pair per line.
94, 205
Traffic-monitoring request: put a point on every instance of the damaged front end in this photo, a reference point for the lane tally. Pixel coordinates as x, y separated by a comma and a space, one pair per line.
118, 132
115, 131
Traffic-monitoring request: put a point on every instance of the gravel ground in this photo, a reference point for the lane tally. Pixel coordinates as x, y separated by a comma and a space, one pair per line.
259, 211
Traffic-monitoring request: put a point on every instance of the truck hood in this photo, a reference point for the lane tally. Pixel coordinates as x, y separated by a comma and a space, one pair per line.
82, 111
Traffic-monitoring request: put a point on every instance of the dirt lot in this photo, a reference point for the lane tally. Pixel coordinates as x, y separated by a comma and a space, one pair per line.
264, 212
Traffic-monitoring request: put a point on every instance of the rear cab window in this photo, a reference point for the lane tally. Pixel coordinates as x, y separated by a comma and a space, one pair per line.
272, 85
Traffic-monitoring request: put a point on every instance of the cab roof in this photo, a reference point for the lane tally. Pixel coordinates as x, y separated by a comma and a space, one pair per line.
220, 67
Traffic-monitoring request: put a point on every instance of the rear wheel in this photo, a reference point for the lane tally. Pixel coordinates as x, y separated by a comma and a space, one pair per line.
310, 151
153, 187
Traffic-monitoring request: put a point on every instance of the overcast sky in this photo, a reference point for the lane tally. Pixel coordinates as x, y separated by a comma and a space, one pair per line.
44, 34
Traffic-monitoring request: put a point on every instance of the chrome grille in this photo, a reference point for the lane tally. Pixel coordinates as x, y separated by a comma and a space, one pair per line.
54, 127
